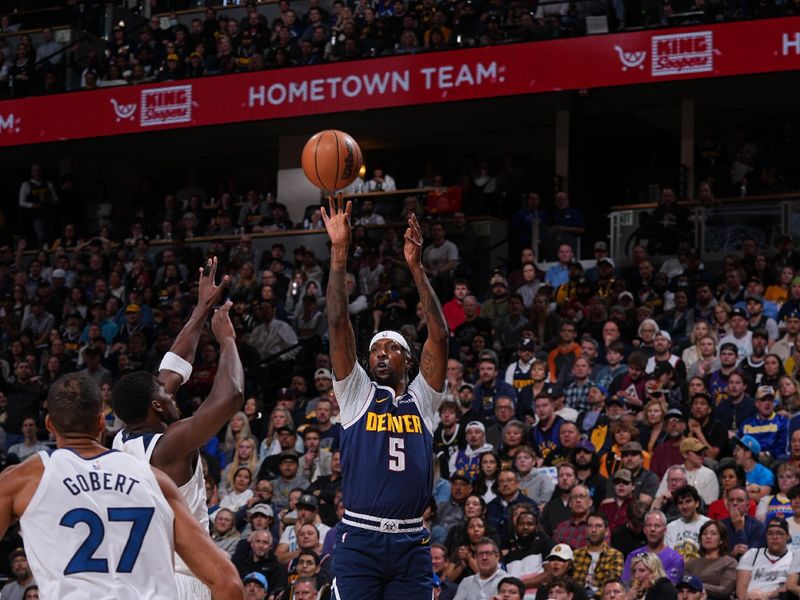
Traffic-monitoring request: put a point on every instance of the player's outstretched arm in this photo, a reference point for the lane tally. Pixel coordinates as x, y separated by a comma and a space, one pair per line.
224, 399
343, 340
209, 564
185, 345
433, 362
17, 486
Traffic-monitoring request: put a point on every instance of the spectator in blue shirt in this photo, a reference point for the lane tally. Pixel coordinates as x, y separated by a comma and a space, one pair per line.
766, 426
488, 388
558, 274
759, 479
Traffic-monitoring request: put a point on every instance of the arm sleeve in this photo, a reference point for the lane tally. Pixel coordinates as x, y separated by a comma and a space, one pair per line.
427, 400
354, 394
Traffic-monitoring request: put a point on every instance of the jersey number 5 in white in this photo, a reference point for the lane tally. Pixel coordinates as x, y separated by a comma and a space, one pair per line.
397, 454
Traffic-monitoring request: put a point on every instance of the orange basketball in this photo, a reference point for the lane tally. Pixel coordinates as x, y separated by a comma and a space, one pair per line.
331, 160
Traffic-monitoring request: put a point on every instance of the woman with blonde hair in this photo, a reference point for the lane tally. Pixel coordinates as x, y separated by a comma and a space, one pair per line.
245, 456
649, 580
238, 429
706, 359
789, 393
692, 354
722, 316
279, 417
651, 429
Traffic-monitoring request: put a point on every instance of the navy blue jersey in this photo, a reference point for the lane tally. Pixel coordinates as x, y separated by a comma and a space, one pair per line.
386, 446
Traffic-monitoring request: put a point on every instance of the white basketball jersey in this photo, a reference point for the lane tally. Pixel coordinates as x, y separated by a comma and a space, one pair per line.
193, 491
99, 528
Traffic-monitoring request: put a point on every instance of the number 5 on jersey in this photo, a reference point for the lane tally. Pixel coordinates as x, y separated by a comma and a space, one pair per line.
397, 454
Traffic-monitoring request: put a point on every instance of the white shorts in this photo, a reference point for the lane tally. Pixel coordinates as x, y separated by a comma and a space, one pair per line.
191, 588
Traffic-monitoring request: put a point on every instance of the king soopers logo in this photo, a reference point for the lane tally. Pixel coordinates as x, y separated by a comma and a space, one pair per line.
161, 106
682, 53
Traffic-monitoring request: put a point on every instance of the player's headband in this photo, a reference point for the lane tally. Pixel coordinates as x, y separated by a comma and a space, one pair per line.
390, 335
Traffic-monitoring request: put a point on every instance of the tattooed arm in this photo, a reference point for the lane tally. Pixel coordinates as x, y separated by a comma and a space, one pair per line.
342, 338
433, 362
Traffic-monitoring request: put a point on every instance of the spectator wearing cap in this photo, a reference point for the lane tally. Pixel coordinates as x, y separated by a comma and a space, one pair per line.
451, 512
558, 568
509, 328
93, 364
669, 453
757, 319
615, 508
258, 511
736, 406
586, 461
284, 439
704, 427
600, 251
488, 388
655, 529
568, 291
289, 479
763, 572
740, 335
467, 461
255, 586
597, 562
700, 477
307, 514
23, 578
767, 427
496, 305
133, 324
518, 373
662, 353
759, 479
108, 328
498, 511
785, 346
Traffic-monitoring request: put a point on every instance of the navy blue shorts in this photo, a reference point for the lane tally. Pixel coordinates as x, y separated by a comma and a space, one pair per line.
370, 565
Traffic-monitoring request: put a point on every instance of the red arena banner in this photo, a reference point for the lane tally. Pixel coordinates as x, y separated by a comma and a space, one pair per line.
532, 68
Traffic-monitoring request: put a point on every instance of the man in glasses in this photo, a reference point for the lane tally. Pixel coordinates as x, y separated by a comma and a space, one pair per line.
486, 581
762, 572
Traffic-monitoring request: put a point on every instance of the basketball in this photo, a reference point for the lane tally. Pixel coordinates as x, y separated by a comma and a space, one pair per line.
331, 160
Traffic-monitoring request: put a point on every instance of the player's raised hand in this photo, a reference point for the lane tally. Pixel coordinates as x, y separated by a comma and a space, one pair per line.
412, 248
337, 220
221, 322
209, 293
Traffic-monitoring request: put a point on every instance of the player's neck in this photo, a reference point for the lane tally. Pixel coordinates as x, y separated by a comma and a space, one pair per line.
149, 425
82, 444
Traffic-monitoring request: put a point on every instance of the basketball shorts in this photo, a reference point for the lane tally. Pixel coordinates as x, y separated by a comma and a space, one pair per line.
191, 588
372, 565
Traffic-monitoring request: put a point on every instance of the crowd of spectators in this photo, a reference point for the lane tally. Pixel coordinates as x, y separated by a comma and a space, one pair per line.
166, 50
606, 430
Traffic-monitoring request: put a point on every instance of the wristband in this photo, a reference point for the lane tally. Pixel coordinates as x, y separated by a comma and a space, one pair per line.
173, 362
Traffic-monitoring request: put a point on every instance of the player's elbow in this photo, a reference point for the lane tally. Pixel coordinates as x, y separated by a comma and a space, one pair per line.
228, 587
